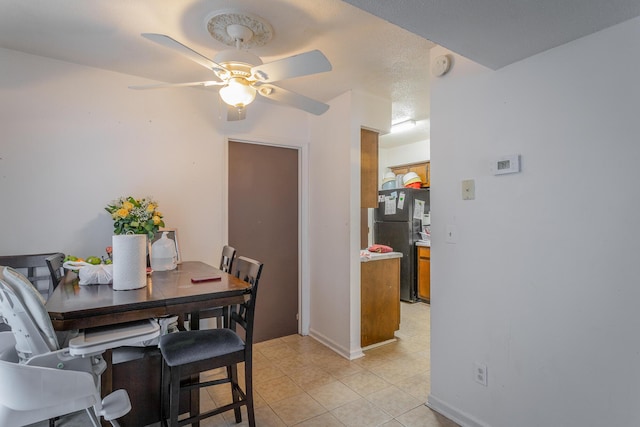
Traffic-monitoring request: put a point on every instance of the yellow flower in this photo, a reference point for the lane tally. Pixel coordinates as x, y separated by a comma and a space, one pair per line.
157, 213
122, 212
156, 220
151, 207
127, 205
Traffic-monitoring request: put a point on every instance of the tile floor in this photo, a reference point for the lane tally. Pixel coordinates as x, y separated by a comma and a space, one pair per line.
299, 382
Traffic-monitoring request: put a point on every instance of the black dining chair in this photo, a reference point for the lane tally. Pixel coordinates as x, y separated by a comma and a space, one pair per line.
186, 354
34, 268
226, 264
219, 313
54, 263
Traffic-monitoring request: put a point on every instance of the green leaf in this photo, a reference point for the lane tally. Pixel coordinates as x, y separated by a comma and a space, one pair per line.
134, 202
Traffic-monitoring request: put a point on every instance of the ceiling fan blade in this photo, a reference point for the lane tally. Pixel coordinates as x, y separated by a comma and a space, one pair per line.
294, 66
235, 114
163, 85
167, 41
293, 99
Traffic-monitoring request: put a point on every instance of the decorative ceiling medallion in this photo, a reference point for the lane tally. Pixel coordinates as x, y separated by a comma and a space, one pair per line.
219, 23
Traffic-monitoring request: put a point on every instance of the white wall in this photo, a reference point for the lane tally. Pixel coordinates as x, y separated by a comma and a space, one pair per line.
335, 217
542, 284
74, 138
330, 211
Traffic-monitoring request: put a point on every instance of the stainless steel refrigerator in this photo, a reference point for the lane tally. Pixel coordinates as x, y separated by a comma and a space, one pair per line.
398, 221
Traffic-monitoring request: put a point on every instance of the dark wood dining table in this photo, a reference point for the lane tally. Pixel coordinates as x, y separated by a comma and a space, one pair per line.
74, 306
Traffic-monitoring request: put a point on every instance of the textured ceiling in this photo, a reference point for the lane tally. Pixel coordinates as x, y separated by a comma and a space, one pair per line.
367, 53
496, 33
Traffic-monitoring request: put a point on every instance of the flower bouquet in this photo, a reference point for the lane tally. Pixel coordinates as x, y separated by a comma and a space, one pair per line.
135, 221
135, 216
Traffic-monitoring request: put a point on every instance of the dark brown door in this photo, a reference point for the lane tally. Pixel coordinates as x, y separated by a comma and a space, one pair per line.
263, 225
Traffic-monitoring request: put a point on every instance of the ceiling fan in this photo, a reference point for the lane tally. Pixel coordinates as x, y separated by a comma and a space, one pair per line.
240, 74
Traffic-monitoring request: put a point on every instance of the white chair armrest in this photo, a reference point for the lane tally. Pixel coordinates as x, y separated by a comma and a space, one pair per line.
73, 390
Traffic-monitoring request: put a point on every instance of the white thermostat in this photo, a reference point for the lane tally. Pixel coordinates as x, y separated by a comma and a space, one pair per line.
506, 164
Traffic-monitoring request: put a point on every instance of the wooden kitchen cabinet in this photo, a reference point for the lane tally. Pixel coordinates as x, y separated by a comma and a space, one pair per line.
423, 169
368, 169
424, 273
380, 300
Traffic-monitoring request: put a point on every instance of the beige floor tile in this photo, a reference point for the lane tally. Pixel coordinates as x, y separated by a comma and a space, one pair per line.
278, 351
302, 343
340, 368
310, 377
264, 344
298, 408
215, 421
360, 413
422, 416
266, 373
373, 357
259, 402
265, 417
417, 386
278, 389
396, 370
365, 382
296, 361
230, 418
324, 420
333, 395
394, 401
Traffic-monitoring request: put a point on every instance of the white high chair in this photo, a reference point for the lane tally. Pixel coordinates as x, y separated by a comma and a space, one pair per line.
40, 380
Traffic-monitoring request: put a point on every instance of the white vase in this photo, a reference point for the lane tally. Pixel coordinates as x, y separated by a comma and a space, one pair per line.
129, 261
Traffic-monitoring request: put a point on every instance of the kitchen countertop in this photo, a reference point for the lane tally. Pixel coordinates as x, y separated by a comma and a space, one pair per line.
366, 256
423, 244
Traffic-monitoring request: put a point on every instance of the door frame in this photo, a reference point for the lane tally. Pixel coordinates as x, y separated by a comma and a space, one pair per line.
304, 300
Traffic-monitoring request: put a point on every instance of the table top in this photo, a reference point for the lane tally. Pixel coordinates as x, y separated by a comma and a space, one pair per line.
72, 306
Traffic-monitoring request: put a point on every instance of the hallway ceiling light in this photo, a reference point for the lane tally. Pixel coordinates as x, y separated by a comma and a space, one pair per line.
403, 126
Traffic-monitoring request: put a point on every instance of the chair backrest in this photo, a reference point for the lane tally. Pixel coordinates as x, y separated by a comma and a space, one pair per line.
249, 270
54, 263
33, 267
22, 308
226, 260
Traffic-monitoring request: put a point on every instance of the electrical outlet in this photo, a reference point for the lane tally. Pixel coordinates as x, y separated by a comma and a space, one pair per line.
480, 373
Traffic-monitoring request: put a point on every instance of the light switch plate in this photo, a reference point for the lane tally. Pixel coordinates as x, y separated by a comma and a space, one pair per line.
468, 189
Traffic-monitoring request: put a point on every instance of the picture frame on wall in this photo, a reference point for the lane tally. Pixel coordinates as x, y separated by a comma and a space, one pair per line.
172, 234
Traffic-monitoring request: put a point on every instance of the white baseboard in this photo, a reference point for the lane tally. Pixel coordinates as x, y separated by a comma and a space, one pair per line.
369, 347
344, 352
453, 414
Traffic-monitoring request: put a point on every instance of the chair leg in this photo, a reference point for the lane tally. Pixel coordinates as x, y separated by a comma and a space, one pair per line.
248, 390
174, 396
164, 386
232, 373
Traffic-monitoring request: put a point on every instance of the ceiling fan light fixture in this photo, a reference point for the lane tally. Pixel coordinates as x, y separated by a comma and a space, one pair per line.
237, 92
